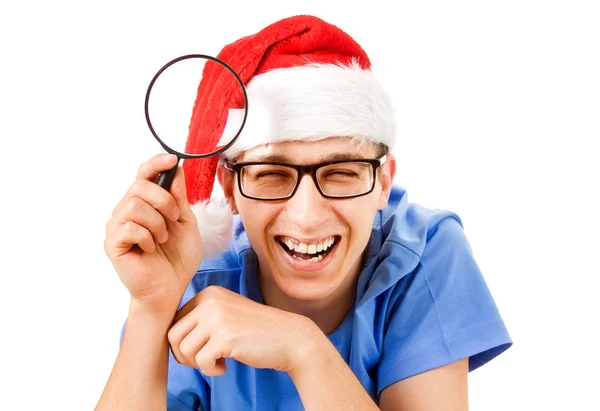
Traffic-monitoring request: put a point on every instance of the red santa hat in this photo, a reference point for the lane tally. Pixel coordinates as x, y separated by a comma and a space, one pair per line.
306, 80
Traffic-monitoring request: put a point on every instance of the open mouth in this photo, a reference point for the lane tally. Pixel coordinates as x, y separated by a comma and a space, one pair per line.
313, 252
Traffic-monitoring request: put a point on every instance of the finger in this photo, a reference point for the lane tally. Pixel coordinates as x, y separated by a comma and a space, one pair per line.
152, 194
186, 350
143, 214
178, 331
157, 197
211, 358
179, 192
127, 236
150, 170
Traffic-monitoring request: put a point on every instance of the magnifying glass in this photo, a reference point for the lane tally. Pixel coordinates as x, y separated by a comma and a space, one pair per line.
177, 94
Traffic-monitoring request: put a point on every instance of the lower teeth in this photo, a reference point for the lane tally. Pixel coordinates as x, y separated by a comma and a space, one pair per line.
313, 259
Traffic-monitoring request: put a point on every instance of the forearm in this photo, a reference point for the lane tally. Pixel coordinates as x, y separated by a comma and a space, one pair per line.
325, 382
138, 380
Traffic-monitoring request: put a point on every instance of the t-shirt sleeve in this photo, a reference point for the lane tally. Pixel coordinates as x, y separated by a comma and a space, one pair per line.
441, 312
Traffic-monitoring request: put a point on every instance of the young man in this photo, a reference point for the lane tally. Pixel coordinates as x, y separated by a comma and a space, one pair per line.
334, 293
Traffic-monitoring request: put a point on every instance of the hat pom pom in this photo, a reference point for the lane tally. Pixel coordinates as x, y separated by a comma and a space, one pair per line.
214, 222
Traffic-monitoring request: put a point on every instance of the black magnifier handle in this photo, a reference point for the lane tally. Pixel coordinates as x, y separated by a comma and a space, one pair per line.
166, 178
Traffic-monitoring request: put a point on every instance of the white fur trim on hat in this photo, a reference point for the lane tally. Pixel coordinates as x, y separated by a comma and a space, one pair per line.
313, 102
214, 222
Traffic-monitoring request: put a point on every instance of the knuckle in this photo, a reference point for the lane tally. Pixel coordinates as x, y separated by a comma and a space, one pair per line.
129, 227
108, 226
134, 205
212, 303
226, 334
187, 350
201, 362
161, 223
213, 291
173, 337
107, 246
212, 300
162, 197
109, 237
143, 168
209, 302
216, 313
170, 203
136, 188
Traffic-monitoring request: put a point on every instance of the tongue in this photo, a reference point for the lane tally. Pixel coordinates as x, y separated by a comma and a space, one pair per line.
303, 255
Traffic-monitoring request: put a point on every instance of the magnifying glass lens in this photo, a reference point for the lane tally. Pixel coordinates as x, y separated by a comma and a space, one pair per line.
192, 88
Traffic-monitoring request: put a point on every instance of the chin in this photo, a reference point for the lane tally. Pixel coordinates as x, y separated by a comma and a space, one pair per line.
306, 289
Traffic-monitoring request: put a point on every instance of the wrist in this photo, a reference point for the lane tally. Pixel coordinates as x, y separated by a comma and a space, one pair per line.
310, 349
159, 316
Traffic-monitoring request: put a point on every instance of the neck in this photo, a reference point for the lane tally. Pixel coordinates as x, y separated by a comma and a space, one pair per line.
327, 313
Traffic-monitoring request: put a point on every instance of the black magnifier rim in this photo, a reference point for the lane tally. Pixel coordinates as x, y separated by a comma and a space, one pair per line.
162, 143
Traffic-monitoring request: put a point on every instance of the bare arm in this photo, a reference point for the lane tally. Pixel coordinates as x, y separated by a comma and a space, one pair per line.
443, 388
139, 377
325, 382
153, 241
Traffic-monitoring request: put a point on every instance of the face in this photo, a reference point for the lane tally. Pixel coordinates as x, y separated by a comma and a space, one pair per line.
328, 236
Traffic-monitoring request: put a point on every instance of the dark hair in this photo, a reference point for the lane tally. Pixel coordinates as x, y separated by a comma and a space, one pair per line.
380, 149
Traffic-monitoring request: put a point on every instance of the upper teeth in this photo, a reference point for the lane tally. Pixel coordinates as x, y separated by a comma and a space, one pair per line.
306, 248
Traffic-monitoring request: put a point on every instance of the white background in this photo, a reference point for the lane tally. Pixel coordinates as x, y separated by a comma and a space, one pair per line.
499, 112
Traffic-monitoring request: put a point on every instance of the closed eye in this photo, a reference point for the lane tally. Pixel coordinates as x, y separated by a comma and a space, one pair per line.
341, 173
271, 174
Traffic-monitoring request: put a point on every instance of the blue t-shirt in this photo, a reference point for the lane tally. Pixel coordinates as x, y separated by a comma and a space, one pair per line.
421, 303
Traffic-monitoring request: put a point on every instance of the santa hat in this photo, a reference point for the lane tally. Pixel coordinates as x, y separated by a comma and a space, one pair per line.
306, 80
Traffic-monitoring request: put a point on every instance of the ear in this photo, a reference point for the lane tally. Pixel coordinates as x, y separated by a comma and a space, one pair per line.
226, 180
386, 179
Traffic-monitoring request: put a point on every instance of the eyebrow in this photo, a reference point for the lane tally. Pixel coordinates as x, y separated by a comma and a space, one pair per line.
282, 158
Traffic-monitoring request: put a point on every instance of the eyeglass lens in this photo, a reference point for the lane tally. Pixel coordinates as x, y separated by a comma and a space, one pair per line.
336, 180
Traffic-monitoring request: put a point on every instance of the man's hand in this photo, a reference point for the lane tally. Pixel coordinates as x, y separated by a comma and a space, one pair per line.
153, 241
218, 324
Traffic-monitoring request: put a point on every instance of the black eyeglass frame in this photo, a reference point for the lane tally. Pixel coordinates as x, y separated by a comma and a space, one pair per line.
303, 170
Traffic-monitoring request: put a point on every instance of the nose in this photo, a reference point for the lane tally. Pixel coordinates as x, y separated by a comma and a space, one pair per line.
307, 208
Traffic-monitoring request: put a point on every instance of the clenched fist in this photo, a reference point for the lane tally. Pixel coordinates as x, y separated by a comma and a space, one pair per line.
217, 324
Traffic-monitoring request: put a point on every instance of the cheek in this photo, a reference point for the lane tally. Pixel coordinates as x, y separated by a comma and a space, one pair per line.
255, 216
358, 216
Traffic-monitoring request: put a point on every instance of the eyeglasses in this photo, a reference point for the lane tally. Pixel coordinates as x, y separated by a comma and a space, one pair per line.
279, 181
